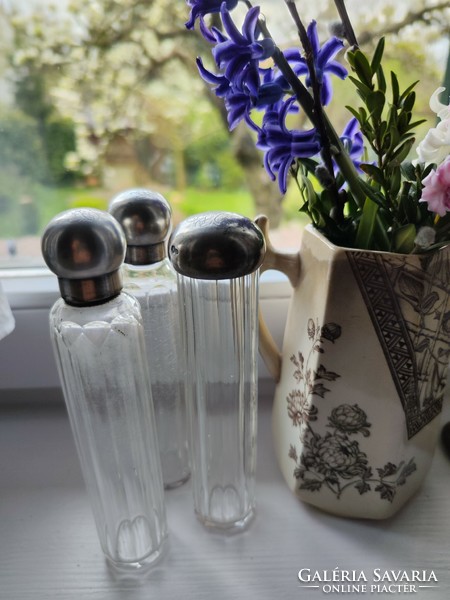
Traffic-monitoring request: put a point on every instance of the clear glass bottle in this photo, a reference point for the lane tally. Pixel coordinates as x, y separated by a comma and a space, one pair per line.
97, 335
217, 256
145, 218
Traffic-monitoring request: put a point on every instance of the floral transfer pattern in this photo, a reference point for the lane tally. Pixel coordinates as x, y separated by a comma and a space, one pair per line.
334, 460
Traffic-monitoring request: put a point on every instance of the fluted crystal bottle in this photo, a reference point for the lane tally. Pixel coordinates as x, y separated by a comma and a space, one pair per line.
145, 217
98, 339
217, 256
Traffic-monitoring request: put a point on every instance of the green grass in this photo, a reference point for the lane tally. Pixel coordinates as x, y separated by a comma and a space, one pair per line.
31, 217
22, 220
193, 201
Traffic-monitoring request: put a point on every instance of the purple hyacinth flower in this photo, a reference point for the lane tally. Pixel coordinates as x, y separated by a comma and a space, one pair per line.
240, 53
323, 62
200, 8
221, 85
269, 93
282, 145
239, 103
353, 141
238, 107
241, 82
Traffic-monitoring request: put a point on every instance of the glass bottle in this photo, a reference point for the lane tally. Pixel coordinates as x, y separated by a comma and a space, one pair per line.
217, 256
98, 341
145, 218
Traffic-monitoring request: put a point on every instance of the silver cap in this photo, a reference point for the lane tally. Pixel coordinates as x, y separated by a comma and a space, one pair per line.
217, 245
145, 219
85, 248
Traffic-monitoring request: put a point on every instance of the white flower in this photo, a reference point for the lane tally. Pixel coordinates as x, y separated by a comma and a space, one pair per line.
442, 110
435, 147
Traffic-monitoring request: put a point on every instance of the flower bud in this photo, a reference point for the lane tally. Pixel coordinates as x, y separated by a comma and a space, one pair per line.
425, 237
323, 176
337, 28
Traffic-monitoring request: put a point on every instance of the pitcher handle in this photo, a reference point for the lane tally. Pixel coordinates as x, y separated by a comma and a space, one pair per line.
289, 264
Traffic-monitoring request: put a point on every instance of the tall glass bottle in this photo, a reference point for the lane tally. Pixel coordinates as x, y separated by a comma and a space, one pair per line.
98, 340
217, 256
145, 217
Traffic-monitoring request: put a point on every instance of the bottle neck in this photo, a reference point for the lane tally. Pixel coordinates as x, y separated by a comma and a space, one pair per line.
145, 255
91, 291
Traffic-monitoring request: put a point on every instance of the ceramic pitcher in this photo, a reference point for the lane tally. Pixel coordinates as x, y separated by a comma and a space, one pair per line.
361, 377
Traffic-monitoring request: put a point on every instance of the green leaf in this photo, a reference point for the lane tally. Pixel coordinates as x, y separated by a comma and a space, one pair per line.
372, 193
362, 88
408, 102
403, 121
309, 164
351, 58
416, 124
381, 79
399, 155
374, 172
362, 68
310, 193
382, 132
380, 236
377, 55
327, 200
375, 103
403, 202
395, 89
392, 118
395, 183
366, 224
355, 113
363, 114
404, 239
408, 205
409, 89
409, 171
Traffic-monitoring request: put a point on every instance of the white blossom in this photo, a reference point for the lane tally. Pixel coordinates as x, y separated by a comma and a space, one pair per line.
442, 110
435, 147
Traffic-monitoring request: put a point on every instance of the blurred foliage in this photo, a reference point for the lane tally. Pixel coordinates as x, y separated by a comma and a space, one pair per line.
21, 145
57, 134
59, 140
209, 161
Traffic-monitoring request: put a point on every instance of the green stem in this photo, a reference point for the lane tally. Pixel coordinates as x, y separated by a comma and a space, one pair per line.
345, 164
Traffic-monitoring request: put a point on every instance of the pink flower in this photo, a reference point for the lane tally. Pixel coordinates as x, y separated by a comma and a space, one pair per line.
436, 190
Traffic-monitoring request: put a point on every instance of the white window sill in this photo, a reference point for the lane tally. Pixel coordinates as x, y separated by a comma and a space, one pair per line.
26, 356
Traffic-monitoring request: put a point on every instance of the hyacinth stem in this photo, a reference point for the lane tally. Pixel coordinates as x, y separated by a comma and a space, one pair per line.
316, 88
348, 28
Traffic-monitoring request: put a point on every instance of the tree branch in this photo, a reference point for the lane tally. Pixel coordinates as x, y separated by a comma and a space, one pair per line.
410, 18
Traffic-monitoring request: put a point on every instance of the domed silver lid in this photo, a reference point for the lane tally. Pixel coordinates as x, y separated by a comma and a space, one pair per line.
216, 245
85, 248
145, 219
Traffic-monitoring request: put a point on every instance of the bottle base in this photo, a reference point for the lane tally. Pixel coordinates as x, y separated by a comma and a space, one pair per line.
140, 565
227, 527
